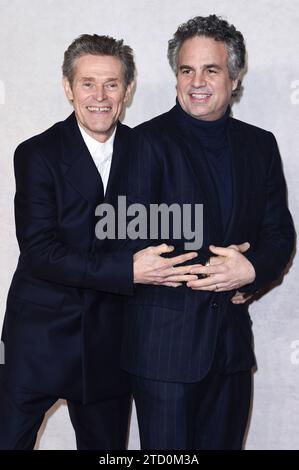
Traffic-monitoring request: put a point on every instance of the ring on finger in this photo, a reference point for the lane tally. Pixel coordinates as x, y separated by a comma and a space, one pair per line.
207, 264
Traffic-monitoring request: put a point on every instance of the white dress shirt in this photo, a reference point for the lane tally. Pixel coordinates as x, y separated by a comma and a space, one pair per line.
101, 153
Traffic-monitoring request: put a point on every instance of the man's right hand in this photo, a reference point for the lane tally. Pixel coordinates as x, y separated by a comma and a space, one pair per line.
152, 268
239, 297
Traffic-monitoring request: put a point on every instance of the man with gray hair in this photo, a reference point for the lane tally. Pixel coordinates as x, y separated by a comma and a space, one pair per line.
189, 350
63, 323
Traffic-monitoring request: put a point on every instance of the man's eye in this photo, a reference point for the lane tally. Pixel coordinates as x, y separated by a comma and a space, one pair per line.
87, 84
212, 71
111, 86
186, 71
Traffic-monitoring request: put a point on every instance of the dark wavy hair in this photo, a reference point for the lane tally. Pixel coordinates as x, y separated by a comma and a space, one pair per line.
217, 28
98, 45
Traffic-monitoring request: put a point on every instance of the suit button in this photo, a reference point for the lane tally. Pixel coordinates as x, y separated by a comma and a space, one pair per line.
214, 305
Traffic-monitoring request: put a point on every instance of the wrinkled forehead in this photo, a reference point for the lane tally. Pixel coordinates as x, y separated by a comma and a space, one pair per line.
98, 66
203, 50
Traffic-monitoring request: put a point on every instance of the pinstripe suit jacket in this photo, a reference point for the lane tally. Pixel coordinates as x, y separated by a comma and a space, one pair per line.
177, 334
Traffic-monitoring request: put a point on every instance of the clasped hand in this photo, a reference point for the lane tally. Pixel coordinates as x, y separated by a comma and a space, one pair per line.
228, 270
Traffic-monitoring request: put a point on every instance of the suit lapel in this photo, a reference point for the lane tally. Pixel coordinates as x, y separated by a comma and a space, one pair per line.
117, 176
118, 164
80, 169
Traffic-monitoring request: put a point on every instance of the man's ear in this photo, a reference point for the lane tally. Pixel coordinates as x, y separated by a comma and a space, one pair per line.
67, 89
235, 83
129, 91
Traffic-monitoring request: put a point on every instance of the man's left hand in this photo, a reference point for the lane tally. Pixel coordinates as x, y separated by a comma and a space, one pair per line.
233, 272
240, 298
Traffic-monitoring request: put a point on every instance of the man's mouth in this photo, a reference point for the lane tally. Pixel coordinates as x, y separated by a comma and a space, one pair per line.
200, 97
99, 109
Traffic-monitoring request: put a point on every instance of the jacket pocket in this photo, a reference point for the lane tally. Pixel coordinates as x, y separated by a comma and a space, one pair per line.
46, 294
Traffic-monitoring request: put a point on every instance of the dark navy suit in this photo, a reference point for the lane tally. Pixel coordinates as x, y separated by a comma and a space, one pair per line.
179, 336
63, 324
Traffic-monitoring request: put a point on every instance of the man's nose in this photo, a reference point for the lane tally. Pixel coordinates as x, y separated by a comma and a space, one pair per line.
199, 80
100, 93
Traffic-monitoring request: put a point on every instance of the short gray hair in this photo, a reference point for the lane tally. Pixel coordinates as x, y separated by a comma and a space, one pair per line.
98, 45
212, 27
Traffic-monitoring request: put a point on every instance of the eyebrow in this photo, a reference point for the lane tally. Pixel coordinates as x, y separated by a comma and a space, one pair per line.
205, 66
212, 66
181, 67
92, 79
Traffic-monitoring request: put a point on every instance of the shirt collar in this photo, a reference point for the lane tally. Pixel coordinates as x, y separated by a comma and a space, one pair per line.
94, 146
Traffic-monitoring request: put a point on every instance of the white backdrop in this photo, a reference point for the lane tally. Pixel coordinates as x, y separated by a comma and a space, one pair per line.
33, 37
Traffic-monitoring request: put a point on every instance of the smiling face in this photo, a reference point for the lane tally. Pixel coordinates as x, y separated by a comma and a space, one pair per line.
98, 94
204, 87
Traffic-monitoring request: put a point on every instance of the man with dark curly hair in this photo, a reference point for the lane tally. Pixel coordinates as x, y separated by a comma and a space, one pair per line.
189, 350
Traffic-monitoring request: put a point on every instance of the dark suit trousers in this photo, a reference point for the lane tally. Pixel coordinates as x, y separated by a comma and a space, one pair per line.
98, 426
207, 415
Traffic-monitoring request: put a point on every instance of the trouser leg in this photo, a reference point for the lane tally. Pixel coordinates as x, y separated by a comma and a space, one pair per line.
211, 414
223, 410
21, 414
164, 414
102, 425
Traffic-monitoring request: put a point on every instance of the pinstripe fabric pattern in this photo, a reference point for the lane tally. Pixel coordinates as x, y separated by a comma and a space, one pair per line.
171, 334
177, 334
190, 353
208, 415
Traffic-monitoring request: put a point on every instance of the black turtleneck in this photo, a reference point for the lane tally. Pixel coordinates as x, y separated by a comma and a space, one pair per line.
209, 140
